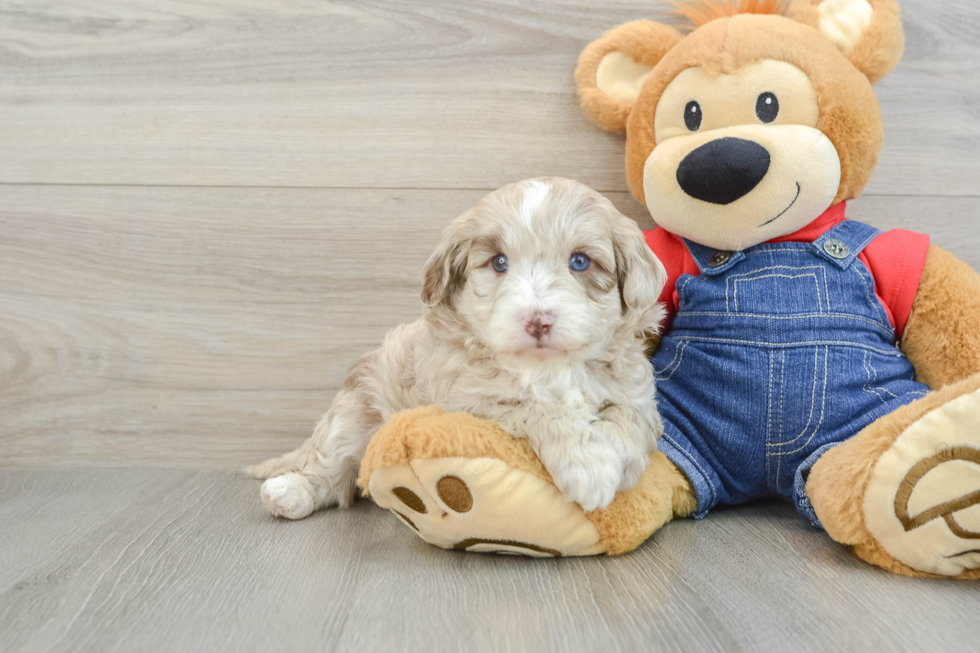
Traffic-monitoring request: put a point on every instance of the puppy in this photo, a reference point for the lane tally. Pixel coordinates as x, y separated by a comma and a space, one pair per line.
540, 299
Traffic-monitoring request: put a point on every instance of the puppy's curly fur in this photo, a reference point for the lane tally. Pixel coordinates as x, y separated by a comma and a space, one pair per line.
554, 353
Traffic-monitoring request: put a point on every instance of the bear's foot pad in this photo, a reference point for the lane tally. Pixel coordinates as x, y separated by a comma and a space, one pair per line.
923, 498
484, 505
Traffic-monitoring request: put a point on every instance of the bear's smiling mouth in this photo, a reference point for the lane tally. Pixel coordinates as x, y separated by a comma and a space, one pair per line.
798, 189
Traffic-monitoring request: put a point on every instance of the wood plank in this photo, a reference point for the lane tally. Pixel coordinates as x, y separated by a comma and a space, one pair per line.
150, 560
207, 328
439, 94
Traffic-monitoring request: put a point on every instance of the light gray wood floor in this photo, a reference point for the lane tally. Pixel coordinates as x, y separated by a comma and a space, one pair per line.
209, 209
188, 560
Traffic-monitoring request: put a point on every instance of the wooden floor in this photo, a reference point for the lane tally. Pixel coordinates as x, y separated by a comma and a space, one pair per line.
189, 560
209, 208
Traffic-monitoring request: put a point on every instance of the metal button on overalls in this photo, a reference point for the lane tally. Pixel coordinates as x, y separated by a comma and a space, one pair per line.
836, 248
719, 258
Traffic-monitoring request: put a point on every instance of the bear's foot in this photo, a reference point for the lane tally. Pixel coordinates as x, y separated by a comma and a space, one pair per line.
463, 483
484, 505
905, 493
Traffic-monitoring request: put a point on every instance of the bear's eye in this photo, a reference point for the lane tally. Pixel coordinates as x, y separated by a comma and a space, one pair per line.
692, 116
500, 263
767, 107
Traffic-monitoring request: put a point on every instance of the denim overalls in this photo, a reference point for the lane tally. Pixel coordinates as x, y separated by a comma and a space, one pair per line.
777, 354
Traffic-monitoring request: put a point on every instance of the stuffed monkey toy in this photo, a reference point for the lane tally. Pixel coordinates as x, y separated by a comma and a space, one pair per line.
805, 356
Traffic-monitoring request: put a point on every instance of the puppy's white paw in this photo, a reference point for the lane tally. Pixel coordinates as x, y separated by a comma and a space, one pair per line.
289, 496
591, 475
634, 464
632, 447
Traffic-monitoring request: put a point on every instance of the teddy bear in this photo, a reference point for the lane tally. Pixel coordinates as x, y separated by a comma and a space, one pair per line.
805, 356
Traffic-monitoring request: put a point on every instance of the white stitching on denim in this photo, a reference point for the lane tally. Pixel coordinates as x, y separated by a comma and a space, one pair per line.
867, 241
843, 316
782, 388
728, 308
660, 379
874, 304
878, 387
823, 409
750, 276
690, 456
682, 290
667, 366
769, 415
792, 268
818, 343
816, 281
870, 369
867, 371
802, 250
827, 290
813, 401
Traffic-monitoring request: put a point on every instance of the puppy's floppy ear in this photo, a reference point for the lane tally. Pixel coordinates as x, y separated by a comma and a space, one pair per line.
641, 275
611, 71
868, 32
445, 271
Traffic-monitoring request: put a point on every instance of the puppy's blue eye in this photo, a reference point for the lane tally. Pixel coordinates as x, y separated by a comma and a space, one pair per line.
579, 262
500, 263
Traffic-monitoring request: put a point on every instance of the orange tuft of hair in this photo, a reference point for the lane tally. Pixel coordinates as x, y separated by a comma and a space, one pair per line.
701, 12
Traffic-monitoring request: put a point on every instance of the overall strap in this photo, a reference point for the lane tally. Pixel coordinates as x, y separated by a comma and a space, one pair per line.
842, 244
712, 261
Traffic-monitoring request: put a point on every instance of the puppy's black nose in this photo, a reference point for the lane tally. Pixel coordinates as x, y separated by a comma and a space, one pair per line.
724, 170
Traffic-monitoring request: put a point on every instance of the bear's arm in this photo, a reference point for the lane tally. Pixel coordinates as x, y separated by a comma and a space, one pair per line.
942, 337
673, 254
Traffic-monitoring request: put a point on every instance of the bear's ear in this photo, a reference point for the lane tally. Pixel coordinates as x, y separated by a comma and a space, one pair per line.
868, 32
612, 70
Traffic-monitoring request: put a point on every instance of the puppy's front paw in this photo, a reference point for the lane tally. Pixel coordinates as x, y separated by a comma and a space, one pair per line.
289, 496
634, 463
591, 475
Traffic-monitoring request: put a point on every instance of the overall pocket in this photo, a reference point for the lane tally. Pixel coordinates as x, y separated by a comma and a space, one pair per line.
800, 380
778, 290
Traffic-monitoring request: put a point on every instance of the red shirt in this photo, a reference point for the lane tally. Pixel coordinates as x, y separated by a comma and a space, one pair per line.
895, 259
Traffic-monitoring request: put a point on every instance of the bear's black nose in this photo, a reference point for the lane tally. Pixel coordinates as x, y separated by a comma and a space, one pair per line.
724, 170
